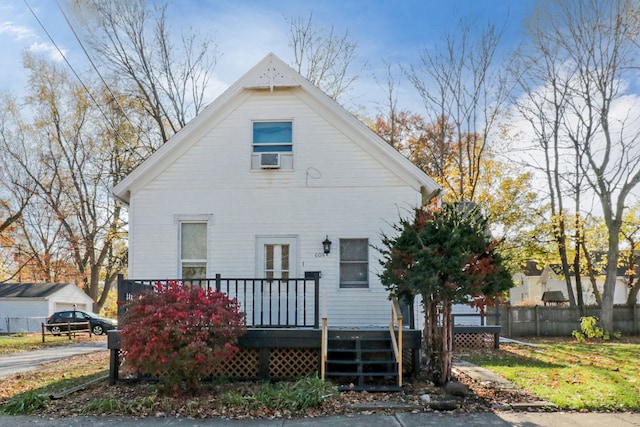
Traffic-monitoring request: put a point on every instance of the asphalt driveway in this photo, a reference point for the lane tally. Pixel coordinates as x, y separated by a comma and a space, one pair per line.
25, 361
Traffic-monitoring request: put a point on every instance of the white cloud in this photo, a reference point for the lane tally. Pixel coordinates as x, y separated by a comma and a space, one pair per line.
47, 49
15, 31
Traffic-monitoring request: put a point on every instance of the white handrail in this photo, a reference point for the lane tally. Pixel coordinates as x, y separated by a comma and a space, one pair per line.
323, 351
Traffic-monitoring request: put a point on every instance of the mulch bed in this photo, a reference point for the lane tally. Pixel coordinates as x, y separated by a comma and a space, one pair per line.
138, 399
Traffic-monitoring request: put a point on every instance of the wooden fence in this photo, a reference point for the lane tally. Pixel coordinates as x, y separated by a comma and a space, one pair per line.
523, 321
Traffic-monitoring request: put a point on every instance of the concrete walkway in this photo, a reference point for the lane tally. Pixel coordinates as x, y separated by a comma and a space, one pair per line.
25, 361
440, 419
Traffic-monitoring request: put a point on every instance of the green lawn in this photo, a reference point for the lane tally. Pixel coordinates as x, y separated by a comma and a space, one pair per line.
591, 376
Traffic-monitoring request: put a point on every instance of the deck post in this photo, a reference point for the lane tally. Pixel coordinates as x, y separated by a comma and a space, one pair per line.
218, 282
263, 363
316, 303
121, 297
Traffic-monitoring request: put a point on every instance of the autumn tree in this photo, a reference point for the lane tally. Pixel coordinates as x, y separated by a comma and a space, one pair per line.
16, 191
72, 220
589, 50
504, 191
133, 40
324, 57
630, 259
463, 92
445, 255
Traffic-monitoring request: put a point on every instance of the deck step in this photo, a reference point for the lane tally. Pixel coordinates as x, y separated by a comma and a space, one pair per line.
371, 388
366, 362
362, 361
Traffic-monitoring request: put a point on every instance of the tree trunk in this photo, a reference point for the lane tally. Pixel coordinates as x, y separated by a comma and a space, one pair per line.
592, 274
438, 340
576, 271
632, 298
606, 313
446, 360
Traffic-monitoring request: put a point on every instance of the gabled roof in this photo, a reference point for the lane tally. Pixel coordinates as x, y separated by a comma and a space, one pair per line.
532, 268
272, 73
30, 290
553, 296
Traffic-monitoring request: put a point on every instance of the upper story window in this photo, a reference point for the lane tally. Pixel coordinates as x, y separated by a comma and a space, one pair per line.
193, 250
354, 263
272, 145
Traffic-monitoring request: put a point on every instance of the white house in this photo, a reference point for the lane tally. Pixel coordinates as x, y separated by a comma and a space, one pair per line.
255, 184
533, 281
24, 306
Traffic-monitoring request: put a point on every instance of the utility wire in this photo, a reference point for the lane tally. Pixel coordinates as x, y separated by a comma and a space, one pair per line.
86, 53
95, 101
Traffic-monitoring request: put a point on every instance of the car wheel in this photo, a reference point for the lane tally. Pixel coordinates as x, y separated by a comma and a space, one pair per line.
98, 330
55, 330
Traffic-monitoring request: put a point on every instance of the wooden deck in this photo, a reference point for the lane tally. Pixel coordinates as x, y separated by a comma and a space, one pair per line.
284, 340
275, 354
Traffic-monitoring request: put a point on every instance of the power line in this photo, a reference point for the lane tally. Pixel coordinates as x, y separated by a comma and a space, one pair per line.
95, 101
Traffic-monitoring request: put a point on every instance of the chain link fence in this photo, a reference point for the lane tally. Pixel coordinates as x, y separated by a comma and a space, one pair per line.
14, 325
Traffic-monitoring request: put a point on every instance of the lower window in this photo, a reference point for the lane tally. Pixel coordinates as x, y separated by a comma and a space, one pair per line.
354, 263
193, 250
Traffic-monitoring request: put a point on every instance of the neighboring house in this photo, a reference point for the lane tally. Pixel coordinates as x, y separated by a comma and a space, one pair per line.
24, 306
260, 182
533, 281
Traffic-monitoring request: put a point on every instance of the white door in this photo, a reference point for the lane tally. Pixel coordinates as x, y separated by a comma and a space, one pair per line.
275, 302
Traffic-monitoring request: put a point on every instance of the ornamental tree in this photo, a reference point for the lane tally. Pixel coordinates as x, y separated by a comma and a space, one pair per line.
445, 255
181, 333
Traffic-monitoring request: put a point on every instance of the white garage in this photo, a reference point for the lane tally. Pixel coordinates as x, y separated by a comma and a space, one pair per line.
25, 306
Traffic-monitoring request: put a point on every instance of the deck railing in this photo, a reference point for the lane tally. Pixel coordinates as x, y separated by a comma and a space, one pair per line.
324, 348
267, 303
396, 325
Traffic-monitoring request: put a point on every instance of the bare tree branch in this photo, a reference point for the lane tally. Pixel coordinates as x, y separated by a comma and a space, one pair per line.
324, 58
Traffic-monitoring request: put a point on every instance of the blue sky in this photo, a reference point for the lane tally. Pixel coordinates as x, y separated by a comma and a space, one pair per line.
246, 30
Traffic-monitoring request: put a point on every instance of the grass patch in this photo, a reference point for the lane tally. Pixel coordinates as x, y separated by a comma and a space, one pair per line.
574, 376
53, 378
16, 343
294, 396
25, 403
108, 406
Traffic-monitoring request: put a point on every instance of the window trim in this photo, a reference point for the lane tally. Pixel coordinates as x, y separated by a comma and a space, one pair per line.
207, 219
284, 150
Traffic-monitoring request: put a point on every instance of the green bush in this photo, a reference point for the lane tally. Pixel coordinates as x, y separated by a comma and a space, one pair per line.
590, 330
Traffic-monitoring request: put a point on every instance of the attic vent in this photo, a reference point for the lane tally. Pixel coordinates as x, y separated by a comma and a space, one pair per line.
270, 160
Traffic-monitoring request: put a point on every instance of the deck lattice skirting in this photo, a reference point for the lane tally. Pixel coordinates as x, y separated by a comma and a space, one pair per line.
274, 354
281, 341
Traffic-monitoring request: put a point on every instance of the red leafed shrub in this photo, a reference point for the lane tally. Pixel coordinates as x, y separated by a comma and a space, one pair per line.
181, 333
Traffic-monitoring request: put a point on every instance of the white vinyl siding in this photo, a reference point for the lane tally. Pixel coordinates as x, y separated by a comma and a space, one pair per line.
337, 189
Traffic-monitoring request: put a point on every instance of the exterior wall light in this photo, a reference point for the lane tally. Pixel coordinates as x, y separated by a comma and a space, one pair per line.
326, 245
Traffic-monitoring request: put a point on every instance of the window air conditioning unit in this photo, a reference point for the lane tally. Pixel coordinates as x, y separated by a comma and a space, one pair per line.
269, 160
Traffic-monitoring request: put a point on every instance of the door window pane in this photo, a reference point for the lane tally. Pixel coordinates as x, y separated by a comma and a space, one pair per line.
276, 261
